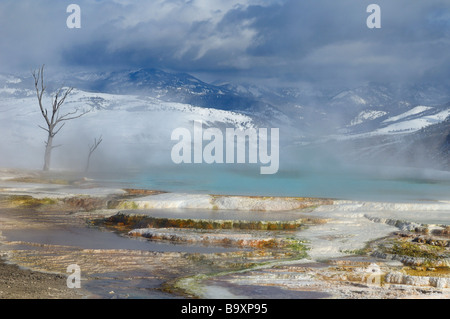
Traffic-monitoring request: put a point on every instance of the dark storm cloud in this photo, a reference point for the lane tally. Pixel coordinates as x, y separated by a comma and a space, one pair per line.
329, 40
322, 41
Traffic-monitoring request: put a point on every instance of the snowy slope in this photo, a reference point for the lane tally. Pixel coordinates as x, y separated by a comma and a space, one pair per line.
414, 124
135, 129
368, 115
166, 86
416, 110
136, 112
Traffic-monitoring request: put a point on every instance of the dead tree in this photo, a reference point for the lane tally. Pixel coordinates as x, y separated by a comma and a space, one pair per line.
92, 149
54, 120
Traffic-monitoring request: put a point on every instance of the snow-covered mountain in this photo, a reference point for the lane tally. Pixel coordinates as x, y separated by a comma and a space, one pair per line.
170, 87
370, 108
137, 110
427, 147
136, 129
374, 123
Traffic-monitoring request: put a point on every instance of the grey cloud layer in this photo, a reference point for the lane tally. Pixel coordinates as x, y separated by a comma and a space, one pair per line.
322, 41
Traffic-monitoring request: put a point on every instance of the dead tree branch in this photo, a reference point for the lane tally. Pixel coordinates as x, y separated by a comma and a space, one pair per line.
92, 149
55, 122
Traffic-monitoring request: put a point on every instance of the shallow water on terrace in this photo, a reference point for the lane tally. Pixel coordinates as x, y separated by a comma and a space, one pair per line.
89, 238
141, 282
390, 185
126, 285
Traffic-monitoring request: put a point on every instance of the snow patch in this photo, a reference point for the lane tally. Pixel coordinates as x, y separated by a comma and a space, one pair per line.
353, 97
417, 110
368, 115
415, 124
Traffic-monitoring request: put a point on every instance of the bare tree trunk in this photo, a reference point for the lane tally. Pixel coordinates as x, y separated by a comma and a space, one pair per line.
92, 148
87, 164
48, 152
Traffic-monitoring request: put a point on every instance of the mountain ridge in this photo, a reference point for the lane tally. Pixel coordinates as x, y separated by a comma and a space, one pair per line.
367, 114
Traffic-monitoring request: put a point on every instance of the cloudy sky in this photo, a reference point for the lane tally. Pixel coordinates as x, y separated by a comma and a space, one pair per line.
276, 41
